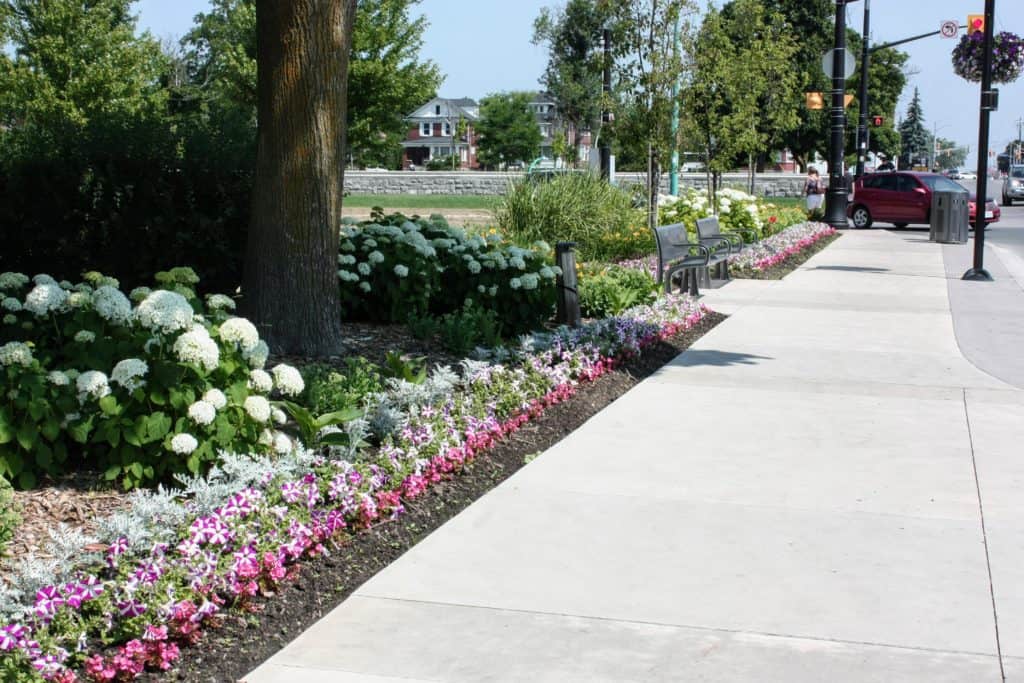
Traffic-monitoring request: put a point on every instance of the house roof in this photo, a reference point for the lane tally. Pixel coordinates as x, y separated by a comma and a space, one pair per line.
445, 141
450, 107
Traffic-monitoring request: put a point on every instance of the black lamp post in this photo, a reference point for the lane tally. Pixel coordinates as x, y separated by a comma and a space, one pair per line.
862, 124
989, 101
606, 151
835, 207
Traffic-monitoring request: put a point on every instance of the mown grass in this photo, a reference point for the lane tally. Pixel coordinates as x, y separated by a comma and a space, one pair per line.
420, 201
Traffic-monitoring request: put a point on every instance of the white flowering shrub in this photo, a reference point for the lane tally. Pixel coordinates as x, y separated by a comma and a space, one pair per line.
138, 391
392, 268
737, 211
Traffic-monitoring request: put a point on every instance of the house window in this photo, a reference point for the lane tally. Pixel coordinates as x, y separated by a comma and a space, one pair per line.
425, 129
437, 110
447, 129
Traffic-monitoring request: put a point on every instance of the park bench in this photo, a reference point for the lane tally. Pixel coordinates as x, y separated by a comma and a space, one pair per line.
676, 256
721, 245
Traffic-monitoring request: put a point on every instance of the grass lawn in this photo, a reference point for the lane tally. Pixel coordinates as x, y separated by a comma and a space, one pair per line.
420, 201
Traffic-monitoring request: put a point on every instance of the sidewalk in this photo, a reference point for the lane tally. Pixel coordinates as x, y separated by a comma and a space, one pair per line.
799, 497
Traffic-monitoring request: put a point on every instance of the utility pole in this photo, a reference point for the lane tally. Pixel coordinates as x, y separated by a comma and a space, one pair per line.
862, 125
835, 208
988, 103
1017, 157
606, 89
673, 177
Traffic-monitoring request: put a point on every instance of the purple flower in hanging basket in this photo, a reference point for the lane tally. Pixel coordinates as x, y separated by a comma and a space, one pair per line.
1007, 57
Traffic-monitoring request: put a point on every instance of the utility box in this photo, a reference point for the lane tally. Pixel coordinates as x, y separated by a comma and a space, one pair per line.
949, 217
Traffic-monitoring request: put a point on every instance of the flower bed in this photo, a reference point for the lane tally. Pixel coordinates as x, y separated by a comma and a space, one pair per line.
172, 563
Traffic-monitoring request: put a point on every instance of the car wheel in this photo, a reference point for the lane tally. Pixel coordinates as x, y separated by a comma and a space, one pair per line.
1007, 201
861, 216
901, 225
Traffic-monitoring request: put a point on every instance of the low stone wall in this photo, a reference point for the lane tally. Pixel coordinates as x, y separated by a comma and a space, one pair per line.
487, 183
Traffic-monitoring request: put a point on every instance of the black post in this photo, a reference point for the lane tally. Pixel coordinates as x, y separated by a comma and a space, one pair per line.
568, 294
606, 151
835, 209
862, 126
988, 103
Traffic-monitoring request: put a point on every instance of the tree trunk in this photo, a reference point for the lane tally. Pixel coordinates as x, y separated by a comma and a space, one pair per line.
752, 174
290, 287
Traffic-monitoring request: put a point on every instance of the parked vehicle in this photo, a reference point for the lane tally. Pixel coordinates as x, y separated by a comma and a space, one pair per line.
905, 197
1013, 184
964, 174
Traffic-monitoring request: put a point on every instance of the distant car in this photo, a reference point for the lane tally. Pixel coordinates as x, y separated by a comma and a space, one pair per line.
905, 197
951, 173
964, 174
1013, 185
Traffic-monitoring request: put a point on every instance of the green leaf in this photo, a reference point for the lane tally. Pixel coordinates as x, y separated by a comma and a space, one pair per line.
27, 436
44, 456
112, 472
136, 469
158, 398
27, 480
6, 428
50, 429
108, 404
157, 426
225, 431
193, 463
337, 417
238, 392
334, 439
37, 408
80, 432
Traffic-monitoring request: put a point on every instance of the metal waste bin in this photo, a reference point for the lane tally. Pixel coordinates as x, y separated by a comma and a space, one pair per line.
949, 217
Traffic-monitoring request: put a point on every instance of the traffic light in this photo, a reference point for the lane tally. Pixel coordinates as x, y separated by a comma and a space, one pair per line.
975, 22
877, 121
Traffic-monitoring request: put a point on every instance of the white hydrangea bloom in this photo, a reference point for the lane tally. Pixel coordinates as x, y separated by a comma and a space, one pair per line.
260, 381
401, 271
78, 299
220, 302
164, 311
44, 279
58, 378
363, 268
546, 273
266, 438
517, 262
12, 281
85, 336
15, 353
139, 293
278, 416
258, 408
241, 333
347, 276
346, 260
257, 358
184, 443
196, 346
492, 290
530, 281
515, 283
10, 319
46, 297
129, 373
288, 380
216, 398
474, 267
11, 304
365, 286
202, 413
92, 384
282, 444
112, 305
375, 257
151, 343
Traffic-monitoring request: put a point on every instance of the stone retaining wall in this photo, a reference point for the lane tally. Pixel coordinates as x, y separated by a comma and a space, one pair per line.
486, 183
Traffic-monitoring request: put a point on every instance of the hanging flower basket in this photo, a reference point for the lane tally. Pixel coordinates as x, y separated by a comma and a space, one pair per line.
1007, 57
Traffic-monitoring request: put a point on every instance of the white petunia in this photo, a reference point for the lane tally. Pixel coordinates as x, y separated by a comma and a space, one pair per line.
241, 333
164, 311
184, 443
202, 413
257, 358
260, 381
288, 380
112, 305
15, 353
92, 384
216, 398
129, 373
258, 408
196, 346
85, 337
45, 298
11, 304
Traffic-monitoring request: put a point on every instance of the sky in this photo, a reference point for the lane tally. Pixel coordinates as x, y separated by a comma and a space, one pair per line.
484, 46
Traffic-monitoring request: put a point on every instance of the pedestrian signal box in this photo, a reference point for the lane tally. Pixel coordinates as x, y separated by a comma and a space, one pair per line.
975, 22
877, 121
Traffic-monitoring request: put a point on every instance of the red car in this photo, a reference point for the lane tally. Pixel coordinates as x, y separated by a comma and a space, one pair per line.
903, 198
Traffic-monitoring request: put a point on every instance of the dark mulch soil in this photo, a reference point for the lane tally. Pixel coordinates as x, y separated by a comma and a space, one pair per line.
781, 270
245, 640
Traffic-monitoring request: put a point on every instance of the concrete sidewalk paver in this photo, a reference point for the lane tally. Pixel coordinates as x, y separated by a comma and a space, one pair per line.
794, 498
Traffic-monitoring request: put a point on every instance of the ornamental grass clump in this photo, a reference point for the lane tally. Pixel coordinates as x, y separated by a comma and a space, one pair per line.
139, 392
394, 269
577, 207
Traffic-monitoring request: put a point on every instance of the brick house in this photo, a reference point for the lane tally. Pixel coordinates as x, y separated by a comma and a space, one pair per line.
434, 132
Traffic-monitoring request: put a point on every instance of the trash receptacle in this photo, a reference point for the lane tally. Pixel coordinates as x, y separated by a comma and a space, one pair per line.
949, 217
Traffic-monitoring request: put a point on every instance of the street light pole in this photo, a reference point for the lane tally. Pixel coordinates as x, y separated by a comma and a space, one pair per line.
862, 125
673, 177
606, 152
835, 210
988, 103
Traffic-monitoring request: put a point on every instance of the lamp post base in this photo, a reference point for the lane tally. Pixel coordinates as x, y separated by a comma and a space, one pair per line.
977, 275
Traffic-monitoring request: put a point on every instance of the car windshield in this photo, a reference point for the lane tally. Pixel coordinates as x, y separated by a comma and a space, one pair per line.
938, 183
1017, 171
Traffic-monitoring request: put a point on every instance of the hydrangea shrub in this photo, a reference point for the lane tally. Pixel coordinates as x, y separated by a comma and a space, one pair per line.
137, 390
394, 268
737, 211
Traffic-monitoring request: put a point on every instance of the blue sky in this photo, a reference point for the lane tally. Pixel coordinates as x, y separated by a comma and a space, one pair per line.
484, 46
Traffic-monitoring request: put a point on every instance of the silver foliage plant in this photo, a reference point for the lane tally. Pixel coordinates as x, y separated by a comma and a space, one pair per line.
65, 551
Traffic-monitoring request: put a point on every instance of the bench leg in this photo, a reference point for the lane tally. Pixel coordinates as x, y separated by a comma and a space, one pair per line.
692, 274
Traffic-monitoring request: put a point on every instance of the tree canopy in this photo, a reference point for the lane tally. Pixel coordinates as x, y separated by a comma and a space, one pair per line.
886, 80
507, 131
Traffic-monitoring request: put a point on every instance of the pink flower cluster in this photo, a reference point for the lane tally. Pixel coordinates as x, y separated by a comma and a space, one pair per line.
773, 250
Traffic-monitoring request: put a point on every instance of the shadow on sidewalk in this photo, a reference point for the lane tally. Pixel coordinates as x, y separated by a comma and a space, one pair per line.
693, 358
852, 269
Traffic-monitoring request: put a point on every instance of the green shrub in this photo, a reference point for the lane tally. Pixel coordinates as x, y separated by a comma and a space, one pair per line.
577, 207
445, 163
9, 517
462, 331
608, 290
329, 389
398, 269
138, 393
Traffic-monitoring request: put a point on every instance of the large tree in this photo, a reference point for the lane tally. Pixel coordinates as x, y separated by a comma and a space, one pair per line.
290, 287
386, 78
573, 76
914, 137
507, 130
886, 79
948, 154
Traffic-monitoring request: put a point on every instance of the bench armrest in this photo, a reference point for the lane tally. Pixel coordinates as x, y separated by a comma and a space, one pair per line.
735, 239
704, 251
717, 243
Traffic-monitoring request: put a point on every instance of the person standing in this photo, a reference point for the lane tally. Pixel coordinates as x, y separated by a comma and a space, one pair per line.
814, 190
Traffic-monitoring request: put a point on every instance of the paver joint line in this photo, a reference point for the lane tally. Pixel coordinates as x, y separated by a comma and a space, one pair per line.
984, 536
693, 627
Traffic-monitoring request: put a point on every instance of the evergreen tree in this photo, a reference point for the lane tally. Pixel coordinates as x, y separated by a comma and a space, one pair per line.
914, 136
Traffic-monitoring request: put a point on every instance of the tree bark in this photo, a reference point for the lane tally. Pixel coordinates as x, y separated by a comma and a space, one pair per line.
290, 289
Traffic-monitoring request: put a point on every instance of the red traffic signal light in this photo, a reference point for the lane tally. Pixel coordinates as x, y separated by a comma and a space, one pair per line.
975, 22
877, 121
